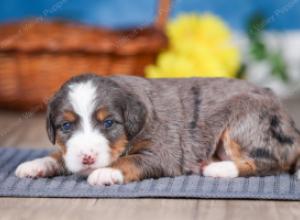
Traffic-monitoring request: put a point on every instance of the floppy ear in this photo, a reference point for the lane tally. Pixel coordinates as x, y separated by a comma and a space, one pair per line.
50, 125
134, 115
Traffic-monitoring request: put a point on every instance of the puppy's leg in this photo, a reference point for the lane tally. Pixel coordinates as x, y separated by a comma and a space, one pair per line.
125, 169
225, 169
230, 168
234, 164
42, 167
242, 162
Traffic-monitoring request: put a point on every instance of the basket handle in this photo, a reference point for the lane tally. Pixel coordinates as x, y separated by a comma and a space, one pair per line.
162, 15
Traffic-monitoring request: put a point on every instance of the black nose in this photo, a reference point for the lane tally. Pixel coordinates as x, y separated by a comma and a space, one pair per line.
88, 159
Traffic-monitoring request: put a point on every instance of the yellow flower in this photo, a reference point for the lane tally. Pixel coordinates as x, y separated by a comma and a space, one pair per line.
199, 46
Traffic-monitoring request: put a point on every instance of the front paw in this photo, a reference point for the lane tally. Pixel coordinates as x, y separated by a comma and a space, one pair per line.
105, 177
42, 167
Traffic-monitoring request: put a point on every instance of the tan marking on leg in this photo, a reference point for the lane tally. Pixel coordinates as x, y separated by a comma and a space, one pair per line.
102, 114
61, 144
129, 169
118, 147
245, 167
69, 116
139, 146
232, 150
58, 156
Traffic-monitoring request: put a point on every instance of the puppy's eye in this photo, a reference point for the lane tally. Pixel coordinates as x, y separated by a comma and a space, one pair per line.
66, 126
108, 123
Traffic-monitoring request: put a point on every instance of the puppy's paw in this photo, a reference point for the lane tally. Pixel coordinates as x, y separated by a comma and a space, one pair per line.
224, 169
105, 176
42, 167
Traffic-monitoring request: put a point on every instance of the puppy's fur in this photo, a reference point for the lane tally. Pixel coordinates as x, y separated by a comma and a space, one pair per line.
123, 129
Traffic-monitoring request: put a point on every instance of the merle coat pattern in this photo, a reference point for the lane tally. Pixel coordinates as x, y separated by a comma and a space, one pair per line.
183, 126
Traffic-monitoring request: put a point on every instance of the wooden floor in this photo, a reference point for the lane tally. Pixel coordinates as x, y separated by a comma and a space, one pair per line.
27, 130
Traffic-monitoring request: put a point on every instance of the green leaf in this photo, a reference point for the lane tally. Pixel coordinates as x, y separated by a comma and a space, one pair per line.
258, 50
255, 26
241, 73
279, 69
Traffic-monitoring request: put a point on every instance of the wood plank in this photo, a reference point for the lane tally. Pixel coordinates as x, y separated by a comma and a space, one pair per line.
49, 208
44, 208
23, 130
247, 209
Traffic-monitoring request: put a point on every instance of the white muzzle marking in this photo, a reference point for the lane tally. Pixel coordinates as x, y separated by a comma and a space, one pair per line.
87, 140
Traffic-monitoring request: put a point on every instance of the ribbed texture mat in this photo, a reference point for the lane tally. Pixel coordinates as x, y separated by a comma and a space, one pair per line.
282, 187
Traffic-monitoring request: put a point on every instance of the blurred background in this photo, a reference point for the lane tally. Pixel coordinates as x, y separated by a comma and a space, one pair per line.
43, 43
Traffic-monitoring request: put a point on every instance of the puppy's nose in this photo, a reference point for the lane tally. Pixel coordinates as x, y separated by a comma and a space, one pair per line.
88, 159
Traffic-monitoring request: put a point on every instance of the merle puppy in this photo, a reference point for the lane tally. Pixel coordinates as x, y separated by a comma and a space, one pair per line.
122, 129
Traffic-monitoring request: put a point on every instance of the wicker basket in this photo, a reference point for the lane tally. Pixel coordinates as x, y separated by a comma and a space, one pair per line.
37, 57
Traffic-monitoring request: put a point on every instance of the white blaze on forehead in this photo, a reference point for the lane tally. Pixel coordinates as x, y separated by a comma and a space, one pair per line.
85, 139
82, 97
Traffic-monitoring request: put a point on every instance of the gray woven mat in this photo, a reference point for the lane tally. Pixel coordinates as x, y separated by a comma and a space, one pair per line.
282, 187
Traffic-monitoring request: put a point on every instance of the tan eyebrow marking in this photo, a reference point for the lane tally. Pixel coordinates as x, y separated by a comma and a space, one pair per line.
69, 116
102, 114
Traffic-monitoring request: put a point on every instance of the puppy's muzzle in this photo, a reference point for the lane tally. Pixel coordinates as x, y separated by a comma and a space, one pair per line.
88, 159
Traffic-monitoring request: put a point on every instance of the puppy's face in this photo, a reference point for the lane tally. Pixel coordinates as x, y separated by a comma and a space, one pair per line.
92, 119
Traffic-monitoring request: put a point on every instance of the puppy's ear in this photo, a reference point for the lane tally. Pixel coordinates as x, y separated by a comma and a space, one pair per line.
50, 125
134, 115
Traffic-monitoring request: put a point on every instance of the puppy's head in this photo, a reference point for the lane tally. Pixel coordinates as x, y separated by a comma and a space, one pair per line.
92, 119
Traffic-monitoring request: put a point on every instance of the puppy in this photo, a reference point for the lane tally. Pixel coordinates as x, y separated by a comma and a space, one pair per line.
121, 129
